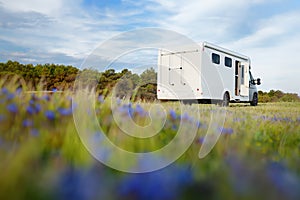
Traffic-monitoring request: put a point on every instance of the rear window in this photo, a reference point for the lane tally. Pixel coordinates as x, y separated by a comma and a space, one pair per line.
215, 58
228, 62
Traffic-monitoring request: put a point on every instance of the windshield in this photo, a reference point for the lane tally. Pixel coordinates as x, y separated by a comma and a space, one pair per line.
251, 77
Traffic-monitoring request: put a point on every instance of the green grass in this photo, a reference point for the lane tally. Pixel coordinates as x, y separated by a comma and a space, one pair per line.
42, 156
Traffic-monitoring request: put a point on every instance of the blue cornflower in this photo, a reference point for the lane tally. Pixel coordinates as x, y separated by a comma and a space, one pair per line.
198, 124
30, 110
50, 115
31, 101
126, 109
10, 96
27, 123
101, 98
174, 127
274, 119
19, 90
200, 140
33, 109
37, 107
287, 119
284, 180
139, 110
162, 184
54, 90
46, 97
173, 114
65, 111
76, 184
130, 111
225, 131
13, 108
185, 116
4, 90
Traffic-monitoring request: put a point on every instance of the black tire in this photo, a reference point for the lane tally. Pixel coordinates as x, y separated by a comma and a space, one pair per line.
226, 100
254, 101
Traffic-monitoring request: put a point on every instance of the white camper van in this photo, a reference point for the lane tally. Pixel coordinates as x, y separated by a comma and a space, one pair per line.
205, 73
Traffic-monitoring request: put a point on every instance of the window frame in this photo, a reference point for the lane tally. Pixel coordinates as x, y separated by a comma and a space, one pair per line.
215, 55
227, 59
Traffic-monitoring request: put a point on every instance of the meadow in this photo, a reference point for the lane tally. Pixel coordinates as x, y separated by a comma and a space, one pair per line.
42, 156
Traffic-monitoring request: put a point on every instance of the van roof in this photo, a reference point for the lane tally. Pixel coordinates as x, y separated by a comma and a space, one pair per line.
226, 51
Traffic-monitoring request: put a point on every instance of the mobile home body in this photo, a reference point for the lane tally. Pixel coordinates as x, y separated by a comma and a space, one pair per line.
205, 72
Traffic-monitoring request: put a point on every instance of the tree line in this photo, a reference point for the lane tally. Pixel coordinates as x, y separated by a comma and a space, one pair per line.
277, 96
61, 77
125, 83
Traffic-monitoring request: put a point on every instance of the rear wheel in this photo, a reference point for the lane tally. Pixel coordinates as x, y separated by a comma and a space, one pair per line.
226, 100
254, 100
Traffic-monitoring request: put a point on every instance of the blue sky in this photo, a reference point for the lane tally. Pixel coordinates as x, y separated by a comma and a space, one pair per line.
67, 31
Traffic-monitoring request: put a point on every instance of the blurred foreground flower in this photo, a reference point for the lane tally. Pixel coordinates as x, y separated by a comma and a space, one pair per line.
50, 115
13, 108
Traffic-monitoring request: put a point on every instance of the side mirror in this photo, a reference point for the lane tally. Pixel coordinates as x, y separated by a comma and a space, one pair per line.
258, 81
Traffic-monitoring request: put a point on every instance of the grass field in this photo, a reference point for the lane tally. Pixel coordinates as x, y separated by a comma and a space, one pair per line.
256, 157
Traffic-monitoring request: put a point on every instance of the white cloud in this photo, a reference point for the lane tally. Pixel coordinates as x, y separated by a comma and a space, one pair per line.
58, 27
44, 6
214, 20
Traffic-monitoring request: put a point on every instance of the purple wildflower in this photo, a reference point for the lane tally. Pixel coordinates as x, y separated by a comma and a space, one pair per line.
4, 90
50, 115
13, 108
173, 114
31, 101
37, 107
200, 140
101, 98
130, 111
65, 111
10, 96
30, 110
46, 97
284, 180
33, 109
186, 117
19, 90
174, 127
140, 111
27, 123
162, 184
274, 119
198, 124
226, 131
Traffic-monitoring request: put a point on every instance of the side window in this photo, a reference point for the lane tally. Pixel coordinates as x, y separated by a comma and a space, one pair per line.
242, 78
215, 58
228, 62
